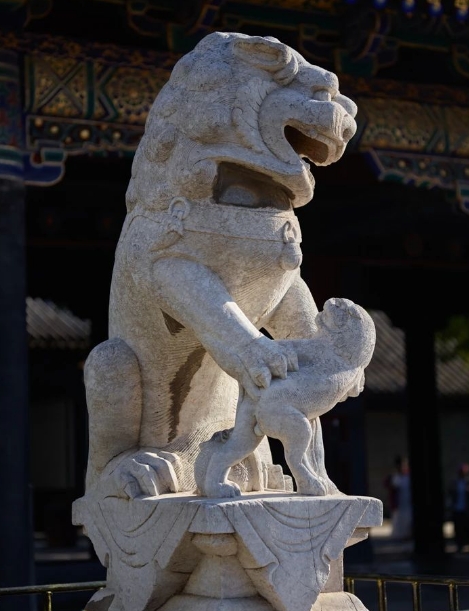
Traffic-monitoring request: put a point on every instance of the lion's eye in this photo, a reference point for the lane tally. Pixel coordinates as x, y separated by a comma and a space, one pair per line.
322, 95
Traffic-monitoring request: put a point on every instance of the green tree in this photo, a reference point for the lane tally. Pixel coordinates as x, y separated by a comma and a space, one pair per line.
453, 340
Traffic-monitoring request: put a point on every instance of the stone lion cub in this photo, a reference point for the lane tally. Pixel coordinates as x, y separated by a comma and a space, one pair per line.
331, 369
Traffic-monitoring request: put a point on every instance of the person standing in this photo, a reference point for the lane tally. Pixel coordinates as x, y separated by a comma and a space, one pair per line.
459, 493
390, 489
400, 500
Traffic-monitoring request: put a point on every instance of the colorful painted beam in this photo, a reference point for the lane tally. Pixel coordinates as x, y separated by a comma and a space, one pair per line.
93, 99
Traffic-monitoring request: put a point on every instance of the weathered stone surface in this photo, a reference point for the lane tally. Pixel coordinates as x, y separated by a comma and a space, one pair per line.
215, 342
330, 369
209, 255
178, 550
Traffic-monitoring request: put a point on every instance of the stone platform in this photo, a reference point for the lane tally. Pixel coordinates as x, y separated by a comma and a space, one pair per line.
257, 552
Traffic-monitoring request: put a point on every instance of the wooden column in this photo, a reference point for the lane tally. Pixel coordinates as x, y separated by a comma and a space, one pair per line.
16, 531
424, 437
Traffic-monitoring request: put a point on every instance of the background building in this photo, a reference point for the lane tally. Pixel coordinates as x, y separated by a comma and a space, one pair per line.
388, 228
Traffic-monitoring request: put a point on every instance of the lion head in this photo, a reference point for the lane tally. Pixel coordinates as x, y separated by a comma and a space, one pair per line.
244, 102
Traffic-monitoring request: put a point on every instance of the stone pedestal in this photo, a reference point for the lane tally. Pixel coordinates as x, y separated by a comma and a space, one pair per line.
258, 552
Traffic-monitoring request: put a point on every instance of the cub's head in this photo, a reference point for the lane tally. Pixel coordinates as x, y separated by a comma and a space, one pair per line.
243, 102
350, 328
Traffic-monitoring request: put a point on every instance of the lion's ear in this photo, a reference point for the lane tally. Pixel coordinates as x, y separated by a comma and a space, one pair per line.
268, 54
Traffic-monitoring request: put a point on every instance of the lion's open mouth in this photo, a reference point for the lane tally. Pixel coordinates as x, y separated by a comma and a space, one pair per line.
316, 151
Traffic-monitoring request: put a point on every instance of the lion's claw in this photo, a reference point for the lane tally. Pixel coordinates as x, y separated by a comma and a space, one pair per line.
147, 474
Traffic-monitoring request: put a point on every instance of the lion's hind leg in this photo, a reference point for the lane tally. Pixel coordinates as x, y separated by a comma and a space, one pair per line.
242, 441
114, 399
294, 430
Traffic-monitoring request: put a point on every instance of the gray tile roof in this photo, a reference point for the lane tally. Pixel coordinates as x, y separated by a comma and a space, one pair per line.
50, 326
386, 372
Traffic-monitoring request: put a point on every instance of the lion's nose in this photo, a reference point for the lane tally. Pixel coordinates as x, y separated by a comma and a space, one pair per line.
349, 127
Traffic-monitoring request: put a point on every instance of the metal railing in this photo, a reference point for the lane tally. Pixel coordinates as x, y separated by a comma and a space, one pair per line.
47, 591
377, 596
383, 599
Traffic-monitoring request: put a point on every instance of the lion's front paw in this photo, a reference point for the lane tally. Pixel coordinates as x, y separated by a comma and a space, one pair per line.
222, 491
148, 474
263, 360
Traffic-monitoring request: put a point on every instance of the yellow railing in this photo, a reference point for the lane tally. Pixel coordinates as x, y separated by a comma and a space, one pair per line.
378, 595
47, 591
413, 599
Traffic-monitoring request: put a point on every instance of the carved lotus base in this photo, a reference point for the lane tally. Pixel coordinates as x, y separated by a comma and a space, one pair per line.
258, 552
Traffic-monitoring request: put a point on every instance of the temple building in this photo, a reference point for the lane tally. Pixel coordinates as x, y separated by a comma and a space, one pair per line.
388, 228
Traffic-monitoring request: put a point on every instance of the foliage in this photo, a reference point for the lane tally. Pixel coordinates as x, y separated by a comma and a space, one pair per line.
453, 340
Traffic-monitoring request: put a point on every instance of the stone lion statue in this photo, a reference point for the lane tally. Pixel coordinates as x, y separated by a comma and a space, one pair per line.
331, 369
209, 258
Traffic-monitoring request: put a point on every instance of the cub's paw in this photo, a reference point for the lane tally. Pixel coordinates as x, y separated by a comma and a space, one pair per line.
314, 486
222, 491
